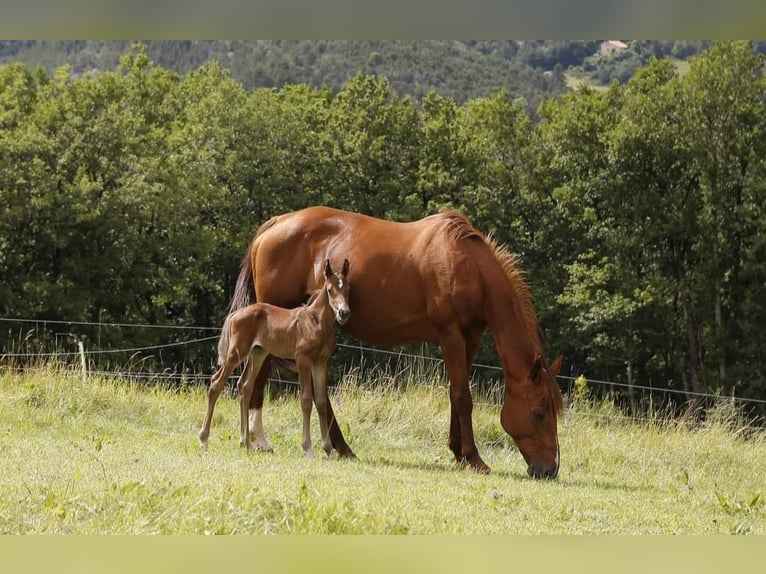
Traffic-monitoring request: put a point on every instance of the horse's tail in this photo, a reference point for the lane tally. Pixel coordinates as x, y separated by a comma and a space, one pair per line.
244, 290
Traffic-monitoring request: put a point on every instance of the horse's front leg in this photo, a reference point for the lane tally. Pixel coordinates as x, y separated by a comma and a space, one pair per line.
319, 372
454, 352
472, 343
307, 398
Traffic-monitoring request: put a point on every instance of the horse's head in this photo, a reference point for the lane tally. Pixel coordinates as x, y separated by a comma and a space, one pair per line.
336, 283
530, 414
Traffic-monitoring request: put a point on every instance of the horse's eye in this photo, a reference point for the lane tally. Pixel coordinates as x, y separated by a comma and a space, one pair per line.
538, 414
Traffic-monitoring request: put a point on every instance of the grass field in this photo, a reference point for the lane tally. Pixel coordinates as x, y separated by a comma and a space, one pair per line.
122, 457
574, 81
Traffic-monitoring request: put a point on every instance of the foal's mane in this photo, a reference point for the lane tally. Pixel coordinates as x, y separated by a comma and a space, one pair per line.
458, 227
312, 297
314, 294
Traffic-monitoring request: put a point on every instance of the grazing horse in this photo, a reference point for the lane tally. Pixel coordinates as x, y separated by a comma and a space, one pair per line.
306, 334
436, 279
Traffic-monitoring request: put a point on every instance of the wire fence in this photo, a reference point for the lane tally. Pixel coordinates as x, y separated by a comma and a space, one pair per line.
398, 361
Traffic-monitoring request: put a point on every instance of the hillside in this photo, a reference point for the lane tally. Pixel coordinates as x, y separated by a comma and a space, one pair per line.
463, 70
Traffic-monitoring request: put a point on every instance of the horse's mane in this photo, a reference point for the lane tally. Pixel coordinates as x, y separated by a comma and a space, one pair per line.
458, 227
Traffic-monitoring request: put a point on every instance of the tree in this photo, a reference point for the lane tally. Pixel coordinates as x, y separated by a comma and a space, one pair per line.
722, 101
372, 134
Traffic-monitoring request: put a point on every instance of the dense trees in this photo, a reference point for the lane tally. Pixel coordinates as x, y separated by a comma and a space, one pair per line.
130, 196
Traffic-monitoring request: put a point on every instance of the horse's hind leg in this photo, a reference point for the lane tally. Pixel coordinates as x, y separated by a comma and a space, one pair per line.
258, 438
336, 436
246, 384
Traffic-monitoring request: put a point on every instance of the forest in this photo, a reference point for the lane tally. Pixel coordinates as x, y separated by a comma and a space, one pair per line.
130, 195
530, 70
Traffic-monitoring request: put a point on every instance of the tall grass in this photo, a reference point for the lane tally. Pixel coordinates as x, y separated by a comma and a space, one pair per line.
120, 456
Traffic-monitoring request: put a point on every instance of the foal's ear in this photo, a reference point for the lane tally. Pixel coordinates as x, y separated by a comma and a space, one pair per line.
327, 268
344, 271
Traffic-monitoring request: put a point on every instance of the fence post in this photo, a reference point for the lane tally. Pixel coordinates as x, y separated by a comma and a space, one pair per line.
81, 346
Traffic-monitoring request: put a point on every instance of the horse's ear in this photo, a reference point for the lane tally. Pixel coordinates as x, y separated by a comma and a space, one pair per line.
345, 267
327, 268
555, 366
537, 366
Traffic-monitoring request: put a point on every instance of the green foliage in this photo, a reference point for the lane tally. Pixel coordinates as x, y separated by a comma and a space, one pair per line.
581, 394
129, 195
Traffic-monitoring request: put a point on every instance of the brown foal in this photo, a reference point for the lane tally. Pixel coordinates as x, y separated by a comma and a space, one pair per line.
306, 334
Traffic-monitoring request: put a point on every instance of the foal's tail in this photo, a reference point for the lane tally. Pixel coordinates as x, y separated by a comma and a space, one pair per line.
244, 290
244, 295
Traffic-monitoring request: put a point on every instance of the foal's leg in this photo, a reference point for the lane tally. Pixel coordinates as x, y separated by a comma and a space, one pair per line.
217, 384
307, 397
319, 372
241, 385
246, 384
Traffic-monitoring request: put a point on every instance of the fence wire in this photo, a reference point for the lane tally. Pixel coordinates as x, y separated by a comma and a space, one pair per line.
171, 376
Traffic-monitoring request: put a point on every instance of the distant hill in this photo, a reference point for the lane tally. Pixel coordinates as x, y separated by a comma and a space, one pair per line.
530, 70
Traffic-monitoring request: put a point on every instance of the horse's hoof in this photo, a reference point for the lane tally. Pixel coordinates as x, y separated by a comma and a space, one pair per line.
476, 464
479, 466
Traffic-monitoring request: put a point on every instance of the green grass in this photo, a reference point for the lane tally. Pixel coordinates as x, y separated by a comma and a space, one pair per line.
123, 457
682, 66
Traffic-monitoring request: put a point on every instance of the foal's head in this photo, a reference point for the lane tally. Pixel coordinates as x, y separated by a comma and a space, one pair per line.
336, 284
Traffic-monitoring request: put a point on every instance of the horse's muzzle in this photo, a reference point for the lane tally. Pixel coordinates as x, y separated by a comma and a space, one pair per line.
548, 473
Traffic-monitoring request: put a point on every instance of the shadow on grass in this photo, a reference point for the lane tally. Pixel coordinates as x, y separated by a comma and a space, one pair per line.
442, 466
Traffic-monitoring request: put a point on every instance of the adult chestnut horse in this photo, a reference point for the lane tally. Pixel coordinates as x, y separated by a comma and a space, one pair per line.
436, 279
